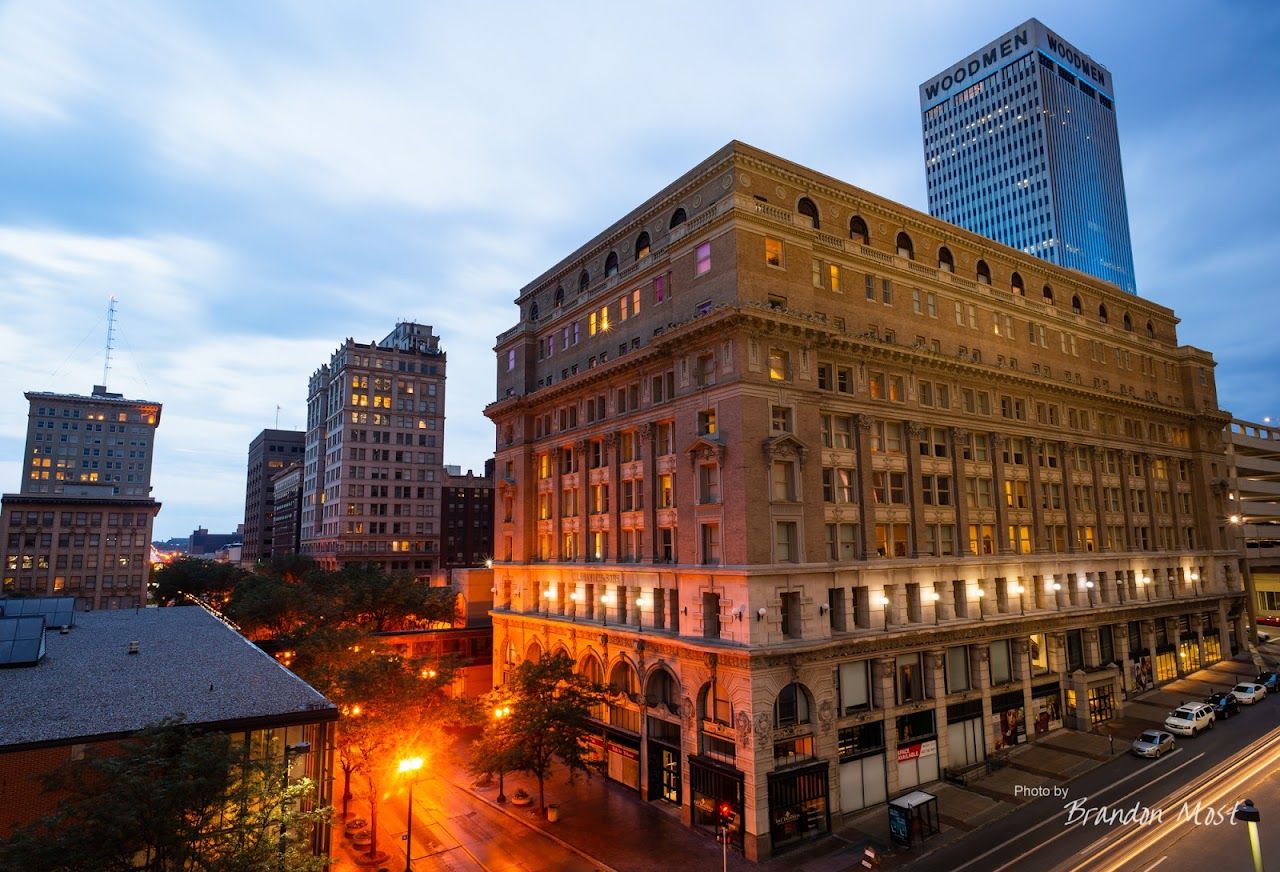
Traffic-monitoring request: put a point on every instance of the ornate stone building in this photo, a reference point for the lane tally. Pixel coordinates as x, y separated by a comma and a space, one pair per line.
836, 496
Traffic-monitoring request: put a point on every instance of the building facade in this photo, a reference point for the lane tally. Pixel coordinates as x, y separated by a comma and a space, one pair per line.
269, 453
1021, 146
286, 511
467, 512
81, 522
372, 468
829, 519
1253, 502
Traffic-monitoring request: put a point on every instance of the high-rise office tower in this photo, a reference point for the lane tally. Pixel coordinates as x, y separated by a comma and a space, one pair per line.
81, 525
270, 452
1020, 145
372, 469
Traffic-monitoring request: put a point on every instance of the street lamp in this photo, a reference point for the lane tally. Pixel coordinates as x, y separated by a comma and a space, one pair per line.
1056, 587
1248, 813
882, 600
1022, 603
641, 603
606, 600
1195, 582
576, 597
1088, 586
410, 764
499, 713
979, 593
549, 594
934, 596
1145, 581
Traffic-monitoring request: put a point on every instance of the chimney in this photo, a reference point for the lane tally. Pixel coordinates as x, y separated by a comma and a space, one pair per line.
133, 647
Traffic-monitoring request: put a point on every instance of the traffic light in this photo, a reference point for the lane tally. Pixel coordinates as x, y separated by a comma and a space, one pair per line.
727, 816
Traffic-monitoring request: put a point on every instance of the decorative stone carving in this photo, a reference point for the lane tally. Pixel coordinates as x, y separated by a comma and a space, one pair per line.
784, 446
610, 440
744, 728
580, 446
912, 430
706, 450
826, 715
687, 711
863, 422
764, 735
646, 432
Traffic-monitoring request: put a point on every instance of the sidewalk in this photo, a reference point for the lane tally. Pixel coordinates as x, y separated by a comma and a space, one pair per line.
611, 827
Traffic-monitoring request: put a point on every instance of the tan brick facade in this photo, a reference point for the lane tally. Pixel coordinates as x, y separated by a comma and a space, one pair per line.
845, 482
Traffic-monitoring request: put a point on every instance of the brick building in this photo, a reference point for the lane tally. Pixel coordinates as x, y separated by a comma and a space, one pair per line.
270, 452
836, 496
467, 513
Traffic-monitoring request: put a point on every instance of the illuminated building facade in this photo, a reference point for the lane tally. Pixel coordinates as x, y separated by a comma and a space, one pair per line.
1021, 146
270, 452
1253, 504
81, 524
372, 468
830, 519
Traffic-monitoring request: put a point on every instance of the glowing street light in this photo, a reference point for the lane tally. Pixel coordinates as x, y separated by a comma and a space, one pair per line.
1248, 813
409, 764
642, 603
500, 712
606, 600
934, 596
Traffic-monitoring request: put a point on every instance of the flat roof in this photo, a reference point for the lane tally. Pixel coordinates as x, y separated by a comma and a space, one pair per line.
189, 663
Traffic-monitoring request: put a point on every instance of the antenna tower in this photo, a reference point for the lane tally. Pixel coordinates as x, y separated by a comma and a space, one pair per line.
111, 338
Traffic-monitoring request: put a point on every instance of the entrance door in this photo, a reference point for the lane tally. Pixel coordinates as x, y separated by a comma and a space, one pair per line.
1102, 703
964, 743
862, 783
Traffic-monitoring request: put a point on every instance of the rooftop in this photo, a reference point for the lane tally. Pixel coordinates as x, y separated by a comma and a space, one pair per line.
88, 687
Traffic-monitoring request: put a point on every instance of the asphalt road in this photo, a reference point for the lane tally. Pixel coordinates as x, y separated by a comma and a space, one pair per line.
1107, 818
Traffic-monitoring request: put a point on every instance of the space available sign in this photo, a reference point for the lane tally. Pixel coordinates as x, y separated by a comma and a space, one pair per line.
917, 750
1003, 51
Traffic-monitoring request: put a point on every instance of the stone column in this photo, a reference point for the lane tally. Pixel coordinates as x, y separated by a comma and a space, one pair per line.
614, 464
1125, 499
1002, 509
580, 449
958, 439
883, 674
915, 496
649, 494
936, 672
866, 486
1069, 497
1099, 503
1040, 541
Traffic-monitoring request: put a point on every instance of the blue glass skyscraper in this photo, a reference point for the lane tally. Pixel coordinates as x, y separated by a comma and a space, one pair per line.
1020, 145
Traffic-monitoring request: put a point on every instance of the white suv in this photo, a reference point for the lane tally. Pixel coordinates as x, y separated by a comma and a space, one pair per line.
1190, 720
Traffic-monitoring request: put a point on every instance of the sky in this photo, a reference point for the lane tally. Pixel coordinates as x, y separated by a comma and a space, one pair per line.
258, 181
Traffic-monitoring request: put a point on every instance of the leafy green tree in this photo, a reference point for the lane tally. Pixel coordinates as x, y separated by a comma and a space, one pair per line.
379, 601
549, 719
206, 580
170, 800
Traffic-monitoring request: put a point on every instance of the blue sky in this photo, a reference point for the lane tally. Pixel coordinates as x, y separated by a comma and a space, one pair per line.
256, 181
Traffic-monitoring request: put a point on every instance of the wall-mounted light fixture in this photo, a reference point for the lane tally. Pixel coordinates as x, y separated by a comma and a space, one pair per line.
761, 612
822, 608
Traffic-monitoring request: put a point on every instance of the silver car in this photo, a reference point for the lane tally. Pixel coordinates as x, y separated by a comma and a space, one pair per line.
1248, 692
1152, 743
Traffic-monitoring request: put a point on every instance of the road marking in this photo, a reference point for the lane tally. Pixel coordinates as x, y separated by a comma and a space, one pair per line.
1045, 823
1156, 863
1105, 838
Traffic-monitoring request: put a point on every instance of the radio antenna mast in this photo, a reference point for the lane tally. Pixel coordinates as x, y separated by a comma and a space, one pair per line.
111, 338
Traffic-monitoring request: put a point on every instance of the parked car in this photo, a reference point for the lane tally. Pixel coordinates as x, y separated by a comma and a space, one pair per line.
1224, 705
1191, 719
1269, 680
1152, 743
1248, 692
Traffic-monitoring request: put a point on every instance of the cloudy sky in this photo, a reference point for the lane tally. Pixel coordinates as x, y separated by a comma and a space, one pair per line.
257, 181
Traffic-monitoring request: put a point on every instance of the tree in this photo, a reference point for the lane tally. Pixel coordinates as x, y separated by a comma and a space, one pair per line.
550, 718
169, 800
378, 601
206, 580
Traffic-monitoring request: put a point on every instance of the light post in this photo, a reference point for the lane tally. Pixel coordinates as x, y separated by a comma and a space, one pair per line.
641, 602
1248, 813
979, 593
1088, 586
289, 751
575, 597
934, 596
1022, 603
1195, 582
883, 601
1145, 581
499, 713
606, 599
549, 594
411, 764
1056, 587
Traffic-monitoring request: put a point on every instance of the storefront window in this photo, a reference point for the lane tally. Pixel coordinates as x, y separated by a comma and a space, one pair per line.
798, 805
791, 751
1010, 716
1166, 665
1038, 651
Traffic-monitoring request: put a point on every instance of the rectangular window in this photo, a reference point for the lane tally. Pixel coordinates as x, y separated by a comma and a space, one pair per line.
711, 544
703, 265
833, 276
773, 252
791, 625
855, 686
957, 666
785, 546
779, 365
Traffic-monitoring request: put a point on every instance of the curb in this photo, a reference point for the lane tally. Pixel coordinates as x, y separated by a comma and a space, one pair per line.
600, 864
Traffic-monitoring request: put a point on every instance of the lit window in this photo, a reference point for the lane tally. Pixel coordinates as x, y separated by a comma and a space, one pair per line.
779, 365
703, 265
773, 252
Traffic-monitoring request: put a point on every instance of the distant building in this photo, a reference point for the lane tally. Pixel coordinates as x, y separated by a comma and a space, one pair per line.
81, 523
113, 673
375, 439
467, 511
1253, 500
202, 543
270, 452
1021, 146
286, 512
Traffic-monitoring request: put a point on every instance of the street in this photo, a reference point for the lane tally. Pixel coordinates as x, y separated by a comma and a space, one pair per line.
1129, 814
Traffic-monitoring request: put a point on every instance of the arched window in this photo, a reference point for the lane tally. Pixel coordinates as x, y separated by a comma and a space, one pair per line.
1016, 286
642, 245
1151, 330
714, 704
905, 248
533, 311
1048, 295
1128, 322
1102, 314
611, 264
662, 689
623, 679
791, 707
559, 299
583, 281
858, 230
533, 652
591, 670
806, 208
1075, 304
677, 218
945, 260
984, 273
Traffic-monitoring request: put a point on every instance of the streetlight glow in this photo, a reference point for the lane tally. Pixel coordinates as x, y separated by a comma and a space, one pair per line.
410, 764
